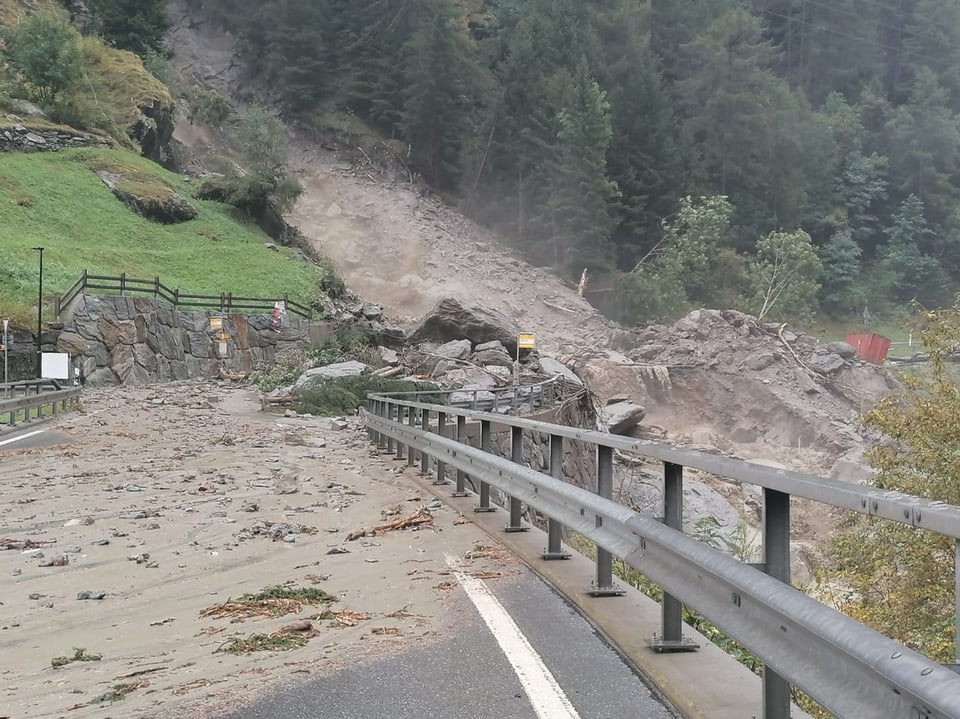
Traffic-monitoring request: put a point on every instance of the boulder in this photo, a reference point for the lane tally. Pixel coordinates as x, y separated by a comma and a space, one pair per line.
826, 363
551, 367
389, 356
621, 417
391, 336
445, 355
332, 371
843, 349
451, 320
759, 361
495, 355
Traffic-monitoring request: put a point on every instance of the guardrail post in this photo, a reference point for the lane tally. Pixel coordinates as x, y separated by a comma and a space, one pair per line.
485, 505
605, 586
671, 610
461, 490
554, 528
441, 467
425, 426
412, 421
401, 417
123, 282
956, 596
776, 558
473, 403
381, 411
496, 400
516, 455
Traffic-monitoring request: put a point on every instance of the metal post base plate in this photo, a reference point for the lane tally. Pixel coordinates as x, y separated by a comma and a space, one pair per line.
460, 494
555, 555
441, 482
478, 508
611, 591
659, 644
522, 528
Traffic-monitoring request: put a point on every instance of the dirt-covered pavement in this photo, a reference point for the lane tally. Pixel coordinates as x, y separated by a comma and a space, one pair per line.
173, 500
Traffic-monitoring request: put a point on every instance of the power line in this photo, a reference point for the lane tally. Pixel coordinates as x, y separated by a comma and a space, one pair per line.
878, 23
941, 62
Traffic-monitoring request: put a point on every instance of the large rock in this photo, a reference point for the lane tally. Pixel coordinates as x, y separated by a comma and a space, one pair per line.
621, 417
332, 371
843, 349
553, 368
826, 363
450, 320
445, 357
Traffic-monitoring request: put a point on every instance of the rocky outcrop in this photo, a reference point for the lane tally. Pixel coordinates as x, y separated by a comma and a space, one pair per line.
136, 340
154, 201
20, 138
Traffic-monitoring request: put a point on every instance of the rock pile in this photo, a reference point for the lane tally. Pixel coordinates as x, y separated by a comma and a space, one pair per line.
19, 138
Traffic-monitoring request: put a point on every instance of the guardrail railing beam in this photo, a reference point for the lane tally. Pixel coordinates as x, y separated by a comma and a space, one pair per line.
412, 421
554, 528
424, 457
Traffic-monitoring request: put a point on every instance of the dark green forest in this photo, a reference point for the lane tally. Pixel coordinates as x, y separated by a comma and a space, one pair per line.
788, 157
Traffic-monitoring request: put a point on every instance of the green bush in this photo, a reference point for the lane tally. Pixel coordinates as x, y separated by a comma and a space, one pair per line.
283, 373
44, 50
208, 107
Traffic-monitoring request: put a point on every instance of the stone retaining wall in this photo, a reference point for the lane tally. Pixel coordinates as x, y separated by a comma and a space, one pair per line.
17, 138
135, 340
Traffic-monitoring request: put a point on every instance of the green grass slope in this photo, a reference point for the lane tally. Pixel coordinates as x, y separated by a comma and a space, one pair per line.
57, 201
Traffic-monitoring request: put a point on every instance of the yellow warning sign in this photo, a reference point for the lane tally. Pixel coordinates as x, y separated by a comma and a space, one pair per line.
526, 341
216, 323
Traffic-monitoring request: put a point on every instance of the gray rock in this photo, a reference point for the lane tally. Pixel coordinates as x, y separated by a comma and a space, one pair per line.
759, 361
496, 345
498, 358
332, 371
451, 320
621, 417
826, 363
553, 368
338, 424
372, 312
806, 383
455, 349
389, 356
843, 349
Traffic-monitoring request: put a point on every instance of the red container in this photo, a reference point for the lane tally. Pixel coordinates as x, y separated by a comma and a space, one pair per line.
869, 346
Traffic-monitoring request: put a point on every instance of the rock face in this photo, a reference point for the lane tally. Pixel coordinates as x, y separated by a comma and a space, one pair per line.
135, 340
332, 371
18, 138
450, 320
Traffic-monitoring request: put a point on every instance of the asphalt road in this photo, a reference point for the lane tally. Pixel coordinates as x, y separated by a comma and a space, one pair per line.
555, 667
31, 437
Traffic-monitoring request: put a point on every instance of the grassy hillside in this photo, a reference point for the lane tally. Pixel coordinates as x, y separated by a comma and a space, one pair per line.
57, 201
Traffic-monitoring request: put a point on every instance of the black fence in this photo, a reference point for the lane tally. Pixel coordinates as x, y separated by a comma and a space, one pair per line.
224, 302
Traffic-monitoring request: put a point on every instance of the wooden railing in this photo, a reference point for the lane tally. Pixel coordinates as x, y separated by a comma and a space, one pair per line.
224, 302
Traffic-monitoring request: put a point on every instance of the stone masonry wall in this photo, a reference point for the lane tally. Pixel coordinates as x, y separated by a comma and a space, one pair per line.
136, 340
17, 138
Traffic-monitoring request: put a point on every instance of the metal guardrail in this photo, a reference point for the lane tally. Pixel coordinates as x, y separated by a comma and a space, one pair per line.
32, 406
224, 302
849, 669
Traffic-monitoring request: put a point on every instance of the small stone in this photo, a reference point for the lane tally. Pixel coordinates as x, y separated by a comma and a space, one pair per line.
72, 550
338, 550
100, 542
61, 561
289, 413
36, 595
290, 538
91, 594
16, 572
249, 507
338, 424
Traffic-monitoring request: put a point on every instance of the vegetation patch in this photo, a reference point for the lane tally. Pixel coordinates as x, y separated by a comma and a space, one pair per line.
119, 691
54, 200
346, 394
79, 655
145, 193
275, 601
281, 641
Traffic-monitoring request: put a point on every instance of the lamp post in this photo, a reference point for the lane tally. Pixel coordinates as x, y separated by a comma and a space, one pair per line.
39, 312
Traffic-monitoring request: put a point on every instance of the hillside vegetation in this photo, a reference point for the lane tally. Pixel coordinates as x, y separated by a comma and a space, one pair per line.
57, 201
577, 129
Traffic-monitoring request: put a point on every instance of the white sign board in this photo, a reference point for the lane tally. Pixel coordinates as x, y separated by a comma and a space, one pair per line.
55, 365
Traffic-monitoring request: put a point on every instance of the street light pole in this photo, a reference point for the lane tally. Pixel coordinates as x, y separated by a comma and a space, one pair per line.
39, 313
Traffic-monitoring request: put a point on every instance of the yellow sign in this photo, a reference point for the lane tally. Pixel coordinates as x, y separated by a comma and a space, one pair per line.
216, 323
526, 340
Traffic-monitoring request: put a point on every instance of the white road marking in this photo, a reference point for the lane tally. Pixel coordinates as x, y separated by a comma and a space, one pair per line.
544, 692
21, 437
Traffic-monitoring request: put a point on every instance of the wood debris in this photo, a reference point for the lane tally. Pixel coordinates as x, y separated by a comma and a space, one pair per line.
9, 543
386, 631
419, 518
